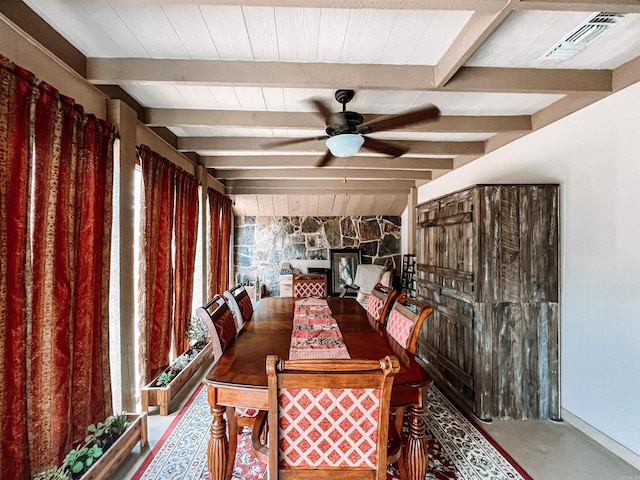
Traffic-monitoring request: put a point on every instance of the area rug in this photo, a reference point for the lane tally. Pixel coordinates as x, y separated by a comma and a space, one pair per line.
458, 449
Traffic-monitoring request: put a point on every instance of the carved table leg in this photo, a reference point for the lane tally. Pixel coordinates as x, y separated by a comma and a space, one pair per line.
232, 435
218, 451
416, 456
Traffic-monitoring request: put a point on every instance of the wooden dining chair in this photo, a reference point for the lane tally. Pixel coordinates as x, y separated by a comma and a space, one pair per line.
307, 285
331, 418
240, 304
380, 302
405, 321
404, 325
220, 322
222, 331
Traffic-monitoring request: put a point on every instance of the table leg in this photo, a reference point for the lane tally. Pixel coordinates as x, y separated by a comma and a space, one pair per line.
416, 455
218, 451
232, 435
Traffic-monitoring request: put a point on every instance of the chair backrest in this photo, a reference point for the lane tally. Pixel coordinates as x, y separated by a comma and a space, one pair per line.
354, 394
380, 302
405, 321
307, 285
240, 304
220, 322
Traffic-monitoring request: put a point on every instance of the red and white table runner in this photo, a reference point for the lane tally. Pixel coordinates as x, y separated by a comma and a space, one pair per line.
315, 332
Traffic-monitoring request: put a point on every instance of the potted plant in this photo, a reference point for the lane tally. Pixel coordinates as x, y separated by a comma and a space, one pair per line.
105, 446
164, 388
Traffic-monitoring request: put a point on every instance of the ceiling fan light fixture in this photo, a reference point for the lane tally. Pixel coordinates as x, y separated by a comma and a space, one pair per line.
345, 145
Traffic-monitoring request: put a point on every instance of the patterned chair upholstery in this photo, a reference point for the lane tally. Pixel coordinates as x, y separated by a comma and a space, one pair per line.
380, 302
356, 394
222, 331
306, 285
405, 321
240, 304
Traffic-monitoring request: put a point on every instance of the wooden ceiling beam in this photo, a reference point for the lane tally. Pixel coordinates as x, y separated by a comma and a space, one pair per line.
344, 4
529, 80
321, 173
355, 76
615, 6
306, 161
302, 185
311, 121
563, 5
248, 144
626, 74
287, 190
479, 27
263, 74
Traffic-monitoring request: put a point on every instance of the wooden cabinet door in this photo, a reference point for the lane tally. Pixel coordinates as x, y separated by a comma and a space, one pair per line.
445, 258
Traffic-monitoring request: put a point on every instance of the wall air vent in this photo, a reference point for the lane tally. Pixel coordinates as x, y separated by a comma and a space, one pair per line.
583, 35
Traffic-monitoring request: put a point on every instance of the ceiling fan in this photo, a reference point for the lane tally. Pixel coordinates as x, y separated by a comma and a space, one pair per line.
346, 130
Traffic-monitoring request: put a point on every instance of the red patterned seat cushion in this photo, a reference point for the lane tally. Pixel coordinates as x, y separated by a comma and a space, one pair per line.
399, 327
374, 307
328, 427
225, 328
310, 289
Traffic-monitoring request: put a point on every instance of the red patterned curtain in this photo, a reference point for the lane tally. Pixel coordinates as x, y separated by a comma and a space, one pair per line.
58, 299
169, 226
16, 96
186, 233
156, 270
220, 219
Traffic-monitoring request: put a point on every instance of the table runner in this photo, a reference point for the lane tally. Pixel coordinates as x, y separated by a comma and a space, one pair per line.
315, 332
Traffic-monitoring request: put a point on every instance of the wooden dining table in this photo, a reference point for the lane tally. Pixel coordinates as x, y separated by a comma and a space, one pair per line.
239, 378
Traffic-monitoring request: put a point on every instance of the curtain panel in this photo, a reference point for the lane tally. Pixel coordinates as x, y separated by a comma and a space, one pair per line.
220, 237
55, 196
155, 290
169, 226
186, 235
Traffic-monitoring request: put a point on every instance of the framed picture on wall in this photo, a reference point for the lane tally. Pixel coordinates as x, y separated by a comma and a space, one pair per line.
344, 262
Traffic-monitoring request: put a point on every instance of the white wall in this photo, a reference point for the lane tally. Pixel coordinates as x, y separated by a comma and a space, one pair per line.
594, 155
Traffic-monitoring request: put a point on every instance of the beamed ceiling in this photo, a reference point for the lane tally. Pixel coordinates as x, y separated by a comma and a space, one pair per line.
222, 79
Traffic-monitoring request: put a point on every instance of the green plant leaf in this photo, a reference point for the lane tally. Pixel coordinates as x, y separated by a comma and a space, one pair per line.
77, 467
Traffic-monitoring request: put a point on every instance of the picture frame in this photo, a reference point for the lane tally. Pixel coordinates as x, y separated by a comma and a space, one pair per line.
344, 262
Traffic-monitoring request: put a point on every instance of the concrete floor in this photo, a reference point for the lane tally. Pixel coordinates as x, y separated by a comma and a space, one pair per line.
546, 450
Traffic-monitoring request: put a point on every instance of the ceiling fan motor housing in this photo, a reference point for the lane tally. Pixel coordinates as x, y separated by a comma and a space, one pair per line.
347, 124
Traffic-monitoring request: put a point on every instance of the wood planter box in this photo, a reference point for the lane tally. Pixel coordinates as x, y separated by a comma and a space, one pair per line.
162, 396
109, 462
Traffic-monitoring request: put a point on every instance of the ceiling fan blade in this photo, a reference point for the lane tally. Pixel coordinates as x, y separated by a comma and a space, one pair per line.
330, 118
323, 109
292, 141
325, 159
384, 147
389, 122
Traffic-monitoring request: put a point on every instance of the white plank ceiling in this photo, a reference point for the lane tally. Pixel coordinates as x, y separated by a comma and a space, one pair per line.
226, 77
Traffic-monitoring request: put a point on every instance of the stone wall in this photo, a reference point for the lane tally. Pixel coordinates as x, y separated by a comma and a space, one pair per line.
262, 243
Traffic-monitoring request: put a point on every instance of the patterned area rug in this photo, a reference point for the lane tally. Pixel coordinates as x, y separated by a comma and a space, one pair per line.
457, 448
